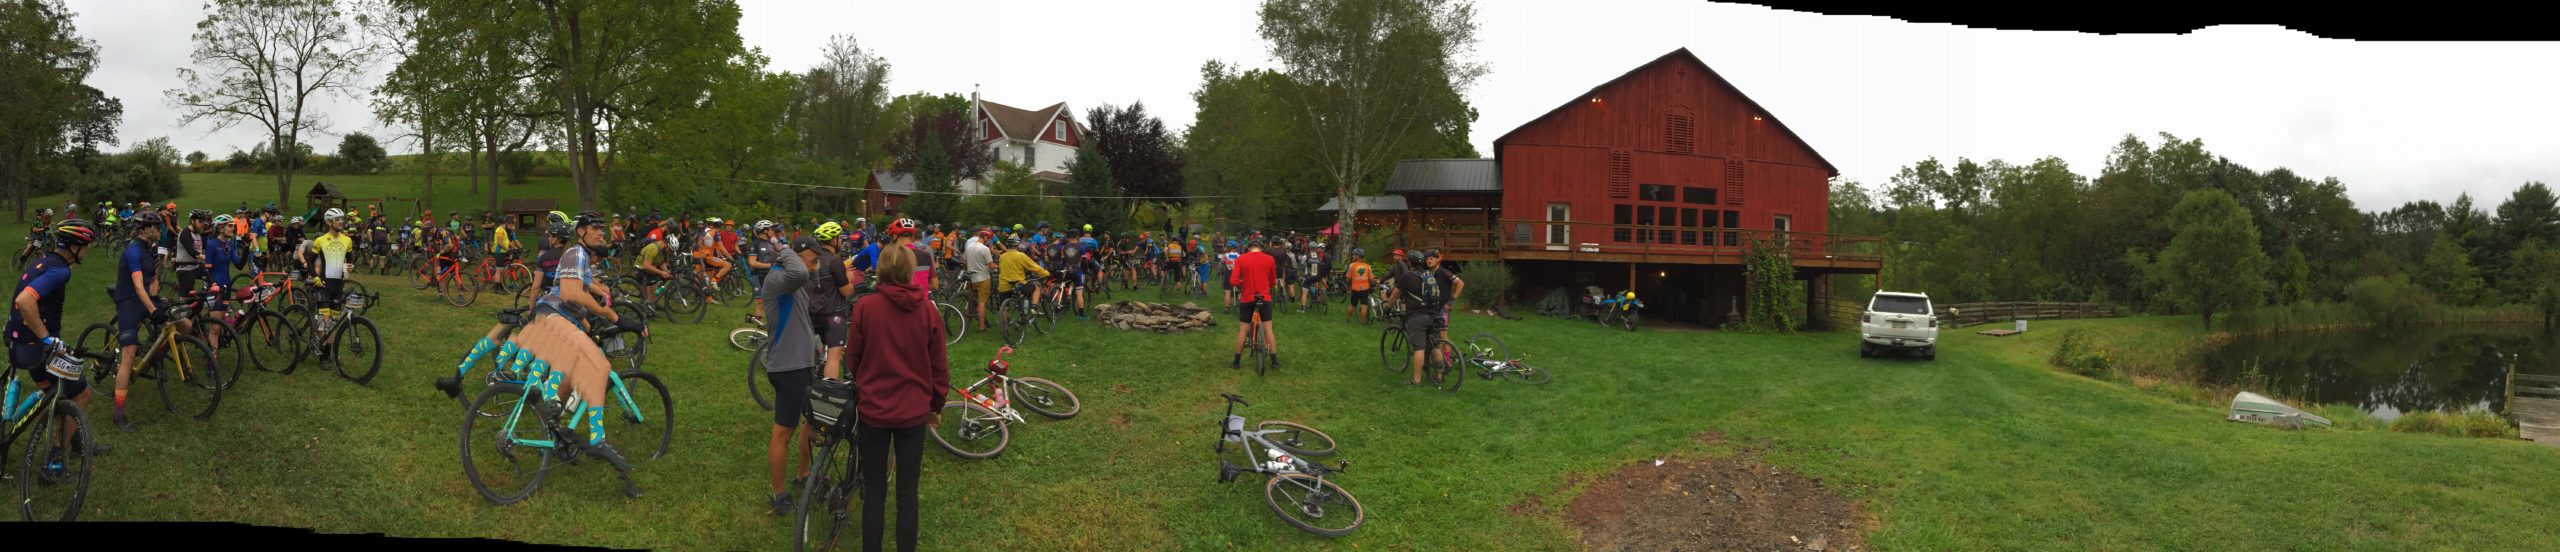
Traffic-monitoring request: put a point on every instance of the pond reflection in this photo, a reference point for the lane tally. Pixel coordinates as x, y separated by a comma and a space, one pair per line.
2386, 371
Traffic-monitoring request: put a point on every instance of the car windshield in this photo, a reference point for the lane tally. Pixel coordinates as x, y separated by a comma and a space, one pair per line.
1901, 305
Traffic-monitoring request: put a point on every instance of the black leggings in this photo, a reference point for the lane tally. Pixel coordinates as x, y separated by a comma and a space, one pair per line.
875, 443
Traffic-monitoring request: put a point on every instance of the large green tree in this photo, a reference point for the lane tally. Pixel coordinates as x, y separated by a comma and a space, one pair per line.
701, 155
2213, 264
263, 62
615, 65
1144, 158
2449, 273
50, 108
843, 115
1091, 197
1370, 81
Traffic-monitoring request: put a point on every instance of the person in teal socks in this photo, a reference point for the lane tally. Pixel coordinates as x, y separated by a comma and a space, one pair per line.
555, 350
560, 230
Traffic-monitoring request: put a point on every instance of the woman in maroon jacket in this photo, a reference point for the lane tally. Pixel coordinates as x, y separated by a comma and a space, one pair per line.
895, 349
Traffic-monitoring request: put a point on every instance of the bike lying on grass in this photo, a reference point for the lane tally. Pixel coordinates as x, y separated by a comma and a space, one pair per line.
1296, 488
985, 409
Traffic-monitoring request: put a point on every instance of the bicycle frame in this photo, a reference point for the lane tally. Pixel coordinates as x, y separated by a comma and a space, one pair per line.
620, 394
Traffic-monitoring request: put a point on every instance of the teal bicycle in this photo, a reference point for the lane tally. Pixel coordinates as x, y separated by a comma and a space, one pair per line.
49, 489
509, 463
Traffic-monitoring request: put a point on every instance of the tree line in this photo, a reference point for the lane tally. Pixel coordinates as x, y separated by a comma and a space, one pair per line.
2172, 228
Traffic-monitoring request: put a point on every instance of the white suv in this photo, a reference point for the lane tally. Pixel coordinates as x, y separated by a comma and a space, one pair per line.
1899, 321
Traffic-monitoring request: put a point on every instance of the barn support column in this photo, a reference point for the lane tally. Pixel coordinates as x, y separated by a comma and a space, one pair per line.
1813, 309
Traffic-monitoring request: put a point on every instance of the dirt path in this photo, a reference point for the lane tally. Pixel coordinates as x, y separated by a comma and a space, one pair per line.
1734, 503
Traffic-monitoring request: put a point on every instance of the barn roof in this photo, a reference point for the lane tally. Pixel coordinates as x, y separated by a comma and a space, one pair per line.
1445, 176
1379, 203
1682, 54
894, 183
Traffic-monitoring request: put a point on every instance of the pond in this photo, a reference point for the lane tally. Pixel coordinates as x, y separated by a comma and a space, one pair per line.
2386, 372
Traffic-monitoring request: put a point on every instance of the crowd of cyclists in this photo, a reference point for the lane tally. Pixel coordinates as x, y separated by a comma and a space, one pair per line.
805, 275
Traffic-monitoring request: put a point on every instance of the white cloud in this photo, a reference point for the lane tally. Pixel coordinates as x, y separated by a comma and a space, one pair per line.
2397, 121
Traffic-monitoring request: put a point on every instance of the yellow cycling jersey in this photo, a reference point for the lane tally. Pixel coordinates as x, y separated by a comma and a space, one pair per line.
333, 253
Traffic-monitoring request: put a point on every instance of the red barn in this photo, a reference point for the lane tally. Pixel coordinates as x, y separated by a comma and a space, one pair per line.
1654, 181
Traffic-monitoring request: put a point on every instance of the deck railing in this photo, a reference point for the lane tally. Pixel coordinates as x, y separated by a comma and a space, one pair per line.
1578, 239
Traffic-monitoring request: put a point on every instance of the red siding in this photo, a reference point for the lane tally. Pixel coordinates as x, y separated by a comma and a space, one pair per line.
1565, 157
1074, 138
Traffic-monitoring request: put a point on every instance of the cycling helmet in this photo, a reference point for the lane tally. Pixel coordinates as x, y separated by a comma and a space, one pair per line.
219, 220
763, 225
172, 206
1357, 252
1017, 227
48, 211
333, 215
1088, 228
562, 229
1044, 224
556, 217
902, 227
829, 231
74, 232
146, 218
591, 218
199, 214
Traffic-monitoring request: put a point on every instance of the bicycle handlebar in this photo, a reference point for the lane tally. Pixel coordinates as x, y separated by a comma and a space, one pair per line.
1235, 399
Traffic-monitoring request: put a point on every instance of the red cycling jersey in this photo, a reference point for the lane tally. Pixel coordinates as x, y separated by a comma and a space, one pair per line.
1253, 275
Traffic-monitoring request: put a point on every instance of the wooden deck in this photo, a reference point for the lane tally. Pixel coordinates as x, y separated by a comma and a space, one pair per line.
2535, 402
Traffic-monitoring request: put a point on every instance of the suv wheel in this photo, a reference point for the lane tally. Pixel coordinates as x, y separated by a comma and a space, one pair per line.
1930, 353
1866, 350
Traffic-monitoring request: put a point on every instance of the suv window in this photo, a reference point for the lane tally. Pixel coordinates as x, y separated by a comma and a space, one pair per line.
1901, 305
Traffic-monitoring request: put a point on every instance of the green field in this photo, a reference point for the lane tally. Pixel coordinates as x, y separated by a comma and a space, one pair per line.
1984, 448
223, 192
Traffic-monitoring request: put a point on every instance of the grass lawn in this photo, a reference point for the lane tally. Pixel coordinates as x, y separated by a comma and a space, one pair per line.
1984, 448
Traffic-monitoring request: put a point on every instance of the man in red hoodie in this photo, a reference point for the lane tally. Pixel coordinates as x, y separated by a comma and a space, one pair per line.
901, 372
1253, 277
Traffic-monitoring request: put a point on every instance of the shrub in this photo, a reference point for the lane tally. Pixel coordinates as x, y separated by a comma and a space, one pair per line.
2392, 301
2470, 422
1488, 284
2082, 355
517, 165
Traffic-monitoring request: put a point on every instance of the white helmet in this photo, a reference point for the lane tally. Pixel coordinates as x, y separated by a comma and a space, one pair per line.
333, 214
763, 225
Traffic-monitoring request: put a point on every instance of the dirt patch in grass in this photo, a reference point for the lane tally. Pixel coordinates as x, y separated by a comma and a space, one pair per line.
1734, 503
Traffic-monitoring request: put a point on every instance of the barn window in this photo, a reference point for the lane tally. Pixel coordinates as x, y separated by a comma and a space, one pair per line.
1701, 196
1780, 223
1732, 219
1679, 134
1656, 192
1621, 175
1688, 225
1626, 214
1707, 220
1644, 220
1559, 213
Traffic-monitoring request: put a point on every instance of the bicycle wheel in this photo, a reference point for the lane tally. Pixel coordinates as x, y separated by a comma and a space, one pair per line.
1043, 316
1492, 347
1313, 505
646, 410
955, 322
1044, 397
422, 277
747, 339
356, 352
47, 492
509, 476
190, 382
965, 423
757, 385
1296, 438
515, 278
226, 346
524, 295
1524, 373
830, 492
459, 291
99, 338
1015, 325
1261, 349
1392, 349
273, 342
1440, 366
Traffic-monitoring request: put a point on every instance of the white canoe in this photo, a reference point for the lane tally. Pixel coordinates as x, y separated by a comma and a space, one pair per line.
2258, 409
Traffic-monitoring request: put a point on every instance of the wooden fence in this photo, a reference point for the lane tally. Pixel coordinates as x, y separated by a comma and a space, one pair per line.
1845, 312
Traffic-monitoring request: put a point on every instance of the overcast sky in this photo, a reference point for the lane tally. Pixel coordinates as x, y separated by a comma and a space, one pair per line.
2395, 121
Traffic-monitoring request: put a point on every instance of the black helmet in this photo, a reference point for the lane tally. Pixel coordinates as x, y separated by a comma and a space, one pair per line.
146, 217
73, 232
199, 214
562, 230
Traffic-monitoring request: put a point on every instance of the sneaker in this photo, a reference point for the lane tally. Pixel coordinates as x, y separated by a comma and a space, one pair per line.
781, 504
610, 456
451, 385
122, 422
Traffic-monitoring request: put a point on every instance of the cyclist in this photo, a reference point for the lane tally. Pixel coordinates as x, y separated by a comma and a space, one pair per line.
1254, 275
556, 345
135, 294
978, 265
381, 244
1226, 268
1457, 288
652, 266
221, 255
500, 242
559, 230
1015, 269
831, 282
706, 249
765, 244
1359, 275
1423, 289
327, 256
1173, 259
41, 289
